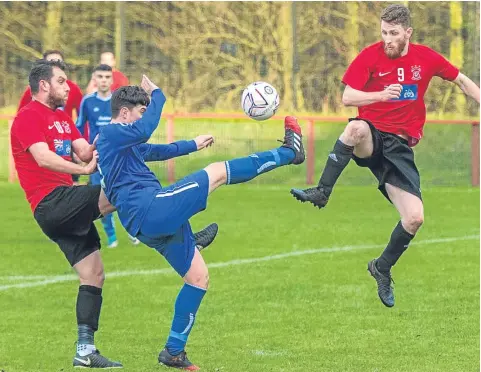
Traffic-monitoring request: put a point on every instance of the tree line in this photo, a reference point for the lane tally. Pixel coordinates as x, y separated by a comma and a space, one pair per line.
204, 53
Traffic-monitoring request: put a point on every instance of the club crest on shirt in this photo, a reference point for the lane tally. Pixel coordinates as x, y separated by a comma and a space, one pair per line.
416, 70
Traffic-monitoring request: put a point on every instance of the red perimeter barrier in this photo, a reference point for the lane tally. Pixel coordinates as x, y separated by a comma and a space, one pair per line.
475, 155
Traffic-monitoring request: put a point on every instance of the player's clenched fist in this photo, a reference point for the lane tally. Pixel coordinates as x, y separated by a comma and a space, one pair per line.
393, 91
91, 167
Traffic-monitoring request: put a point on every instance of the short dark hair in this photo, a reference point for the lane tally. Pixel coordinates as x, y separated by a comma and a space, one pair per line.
103, 68
397, 14
128, 96
52, 51
43, 70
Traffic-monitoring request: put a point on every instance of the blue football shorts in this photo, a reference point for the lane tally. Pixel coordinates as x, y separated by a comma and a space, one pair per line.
166, 226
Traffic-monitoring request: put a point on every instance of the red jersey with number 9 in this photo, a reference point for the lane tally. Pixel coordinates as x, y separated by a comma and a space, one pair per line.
373, 71
38, 123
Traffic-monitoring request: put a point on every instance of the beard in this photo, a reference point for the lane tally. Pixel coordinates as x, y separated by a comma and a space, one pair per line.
396, 51
55, 101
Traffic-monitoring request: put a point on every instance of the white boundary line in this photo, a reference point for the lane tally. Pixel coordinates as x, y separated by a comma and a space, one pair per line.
39, 280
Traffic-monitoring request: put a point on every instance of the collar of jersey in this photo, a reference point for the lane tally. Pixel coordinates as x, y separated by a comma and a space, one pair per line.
103, 99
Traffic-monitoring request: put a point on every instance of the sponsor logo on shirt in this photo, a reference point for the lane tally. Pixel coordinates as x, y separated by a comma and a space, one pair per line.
62, 147
408, 93
103, 120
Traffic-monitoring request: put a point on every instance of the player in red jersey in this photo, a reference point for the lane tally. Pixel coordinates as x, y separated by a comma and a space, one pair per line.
74, 97
43, 138
387, 82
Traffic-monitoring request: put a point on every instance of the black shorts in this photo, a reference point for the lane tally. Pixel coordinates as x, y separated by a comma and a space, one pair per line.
67, 215
392, 161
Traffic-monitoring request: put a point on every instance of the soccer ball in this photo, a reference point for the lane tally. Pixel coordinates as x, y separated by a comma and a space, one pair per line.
260, 100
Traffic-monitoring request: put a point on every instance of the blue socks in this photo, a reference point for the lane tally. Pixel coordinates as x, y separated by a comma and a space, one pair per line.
244, 169
108, 224
186, 306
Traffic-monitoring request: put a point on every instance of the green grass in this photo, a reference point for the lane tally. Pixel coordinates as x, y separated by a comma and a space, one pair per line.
312, 312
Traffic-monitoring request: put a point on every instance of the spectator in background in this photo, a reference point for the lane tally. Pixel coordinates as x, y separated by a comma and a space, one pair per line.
119, 79
73, 100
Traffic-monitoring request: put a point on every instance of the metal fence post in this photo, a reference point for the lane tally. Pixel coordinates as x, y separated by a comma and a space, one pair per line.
475, 154
310, 152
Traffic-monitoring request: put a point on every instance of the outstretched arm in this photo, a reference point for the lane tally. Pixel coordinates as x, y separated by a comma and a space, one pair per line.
161, 152
467, 86
152, 152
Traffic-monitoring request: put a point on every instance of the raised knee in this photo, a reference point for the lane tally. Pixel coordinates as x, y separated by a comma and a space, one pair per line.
357, 131
217, 172
413, 222
95, 277
200, 280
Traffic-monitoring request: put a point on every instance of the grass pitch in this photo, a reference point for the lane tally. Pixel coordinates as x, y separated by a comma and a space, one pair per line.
289, 288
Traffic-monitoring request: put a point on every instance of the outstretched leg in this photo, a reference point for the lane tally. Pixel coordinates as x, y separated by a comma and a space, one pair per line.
245, 169
356, 139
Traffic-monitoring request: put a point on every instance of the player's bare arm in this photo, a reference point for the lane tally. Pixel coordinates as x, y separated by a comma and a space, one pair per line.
354, 97
48, 159
83, 149
467, 86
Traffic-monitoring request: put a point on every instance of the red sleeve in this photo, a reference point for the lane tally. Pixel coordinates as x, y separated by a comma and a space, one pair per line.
443, 68
26, 98
120, 80
123, 79
27, 129
76, 97
358, 72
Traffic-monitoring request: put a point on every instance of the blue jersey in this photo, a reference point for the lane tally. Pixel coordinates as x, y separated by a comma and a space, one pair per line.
126, 180
97, 111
